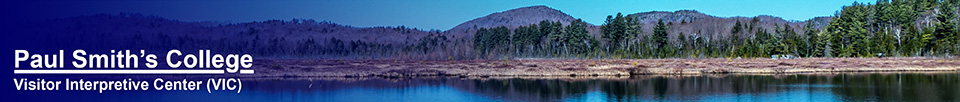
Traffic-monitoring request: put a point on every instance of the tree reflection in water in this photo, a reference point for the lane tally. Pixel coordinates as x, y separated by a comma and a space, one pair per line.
796, 87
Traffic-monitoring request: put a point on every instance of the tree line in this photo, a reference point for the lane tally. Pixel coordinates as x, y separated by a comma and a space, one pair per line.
897, 28
894, 28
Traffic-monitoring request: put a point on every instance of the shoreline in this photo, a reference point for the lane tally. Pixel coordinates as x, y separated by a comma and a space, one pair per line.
583, 78
589, 67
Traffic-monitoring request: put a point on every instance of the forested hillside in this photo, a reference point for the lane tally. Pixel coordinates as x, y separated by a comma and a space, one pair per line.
898, 28
888, 28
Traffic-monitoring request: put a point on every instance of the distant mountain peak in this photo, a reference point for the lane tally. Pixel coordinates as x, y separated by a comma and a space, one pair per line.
687, 11
515, 17
667, 16
544, 7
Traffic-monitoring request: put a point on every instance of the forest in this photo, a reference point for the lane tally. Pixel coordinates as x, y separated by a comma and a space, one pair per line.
887, 28
897, 28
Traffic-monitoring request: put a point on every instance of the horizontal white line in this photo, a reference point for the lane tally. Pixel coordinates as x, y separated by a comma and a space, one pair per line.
126, 71
246, 71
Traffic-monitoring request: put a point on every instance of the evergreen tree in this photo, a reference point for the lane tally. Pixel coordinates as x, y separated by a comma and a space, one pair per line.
945, 33
735, 31
578, 38
928, 41
617, 30
492, 41
547, 29
809, 47
660, 37
910, 43
850, 32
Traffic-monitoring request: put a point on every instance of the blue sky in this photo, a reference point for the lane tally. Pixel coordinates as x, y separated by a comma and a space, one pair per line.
423, 14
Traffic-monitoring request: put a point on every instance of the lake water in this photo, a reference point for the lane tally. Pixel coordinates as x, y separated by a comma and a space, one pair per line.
791, 88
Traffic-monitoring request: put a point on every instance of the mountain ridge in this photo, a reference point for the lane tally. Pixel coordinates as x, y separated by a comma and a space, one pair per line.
298, 35
515, 17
